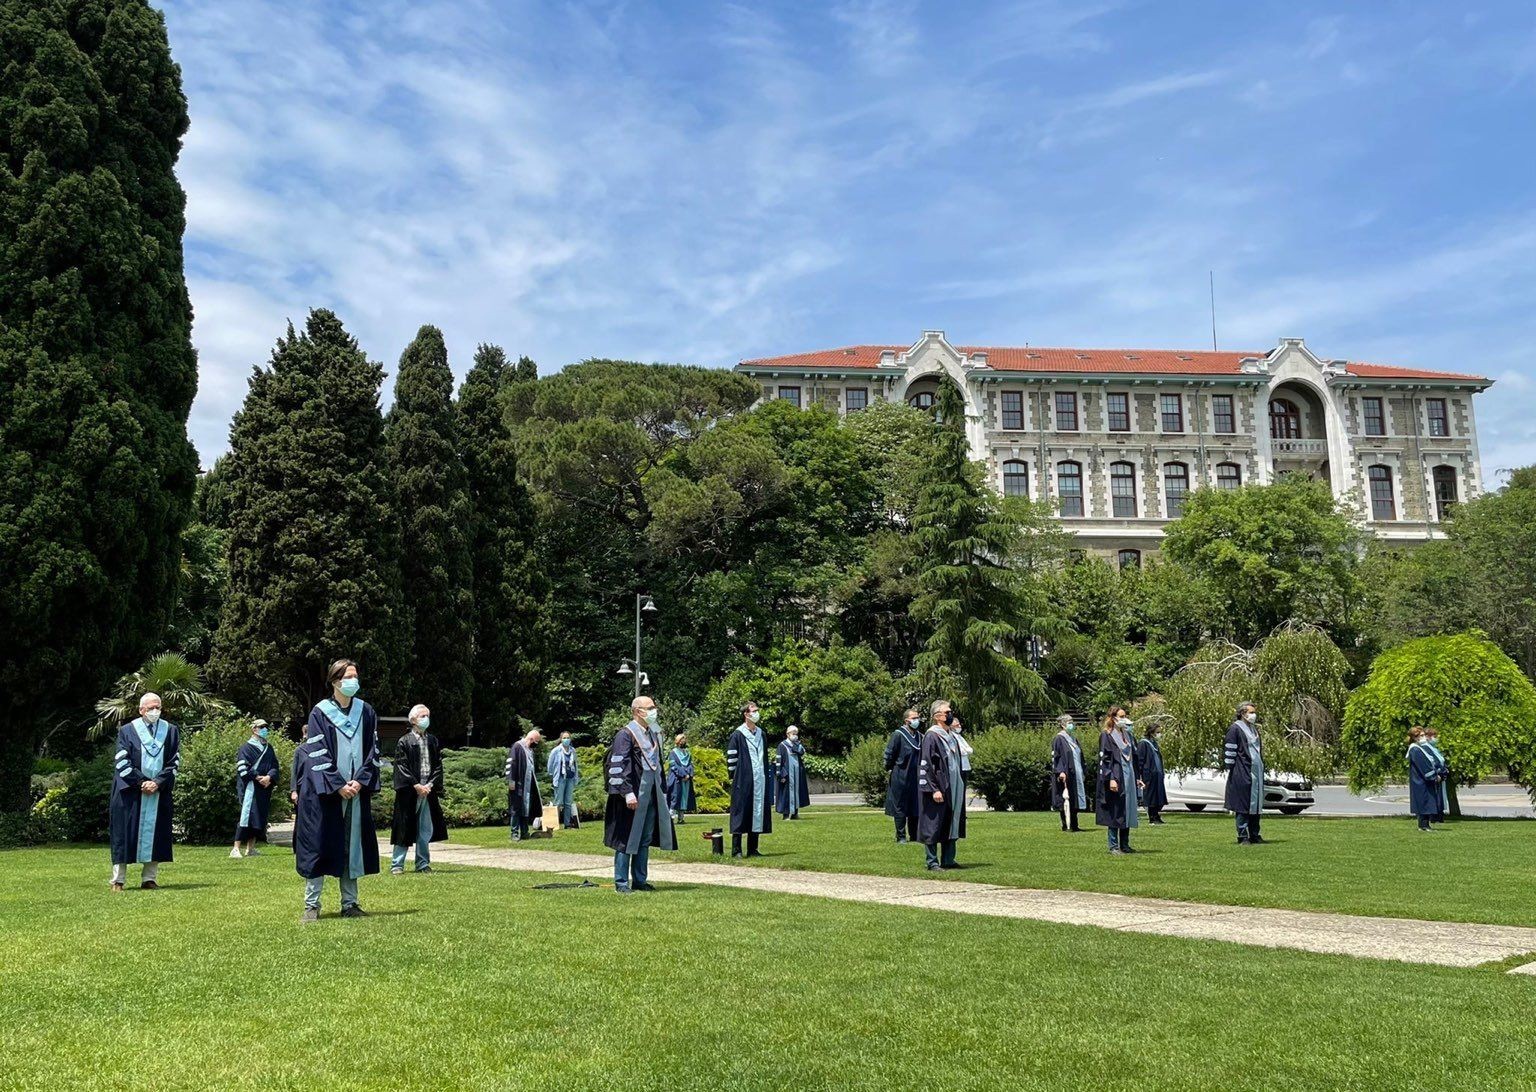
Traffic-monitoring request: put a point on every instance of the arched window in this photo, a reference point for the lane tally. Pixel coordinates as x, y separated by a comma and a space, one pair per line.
1129, 559
1015, 478
1383, 504
921, 400
1228, 476
1284, 419
1069, 488
1175, 488
1445, 490
1122, 489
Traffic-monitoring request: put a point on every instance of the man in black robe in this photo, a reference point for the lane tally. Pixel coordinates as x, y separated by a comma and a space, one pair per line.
523, 787
941, 791
749, 763
901, 752
636, 817
418, 815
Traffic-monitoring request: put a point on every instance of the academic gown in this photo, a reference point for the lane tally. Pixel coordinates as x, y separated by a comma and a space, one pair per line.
140, 823
1444, 769
1150, 761
256, 758
1423, 781
1243, 758
522, 786
744, 816
680, 781
794, 791
332, 836
1123, 766
1067, 758
405, 824
938, 770
901, 752
627, 770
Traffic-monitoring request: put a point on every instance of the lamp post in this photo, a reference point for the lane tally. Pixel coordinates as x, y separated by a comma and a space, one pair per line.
643, 602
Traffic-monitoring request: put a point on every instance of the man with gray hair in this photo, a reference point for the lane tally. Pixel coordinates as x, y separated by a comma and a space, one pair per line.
636, 816
418, 781
144, 770
1243, 759
940, 790
523, 804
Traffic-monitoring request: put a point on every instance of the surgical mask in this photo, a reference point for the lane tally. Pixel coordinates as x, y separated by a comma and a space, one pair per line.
423, 723
1250, 717
566, 744
1123, 722
913, 722
794, 739
263, 732
151, 715
349, 687
752, 717
1069, 726
652, 717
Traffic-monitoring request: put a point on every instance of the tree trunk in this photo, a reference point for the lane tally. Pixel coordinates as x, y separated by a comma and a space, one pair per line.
16, 762
1450, 790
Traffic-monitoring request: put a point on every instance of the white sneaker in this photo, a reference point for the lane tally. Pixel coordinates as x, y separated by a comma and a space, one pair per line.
235, 853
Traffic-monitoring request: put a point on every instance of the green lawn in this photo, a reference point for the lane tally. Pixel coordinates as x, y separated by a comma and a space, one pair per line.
469, 978
1474, 870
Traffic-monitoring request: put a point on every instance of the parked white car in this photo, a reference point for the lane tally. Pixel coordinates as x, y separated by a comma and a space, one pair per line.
1288, 793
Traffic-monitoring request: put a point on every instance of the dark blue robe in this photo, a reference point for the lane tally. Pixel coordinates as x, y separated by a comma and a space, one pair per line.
321, 838
798, 794
253, 760
624, 772
680, 781
1424, 781
739, 768
1155, 796
127, 795
937, 771
1243, 781
901, 752
1109, 807
1067, 759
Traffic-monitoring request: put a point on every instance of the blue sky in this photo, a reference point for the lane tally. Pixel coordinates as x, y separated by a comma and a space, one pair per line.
708, 182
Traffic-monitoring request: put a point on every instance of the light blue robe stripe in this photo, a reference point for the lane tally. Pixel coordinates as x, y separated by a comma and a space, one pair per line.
1128, 780
349, 759
1256, 768
245, 805
759, 780
1077, 766
151, 764
121, 754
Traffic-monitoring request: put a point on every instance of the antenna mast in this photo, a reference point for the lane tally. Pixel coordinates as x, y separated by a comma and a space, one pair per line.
1213, 310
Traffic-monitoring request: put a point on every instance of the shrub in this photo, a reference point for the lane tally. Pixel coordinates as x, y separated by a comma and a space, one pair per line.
826, 769
206, 806
50, 817
88, 799
864, 770
1012, 769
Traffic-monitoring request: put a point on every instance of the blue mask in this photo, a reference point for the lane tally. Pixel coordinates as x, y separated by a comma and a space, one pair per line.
263, 732
425, 723
349, 687
566, 744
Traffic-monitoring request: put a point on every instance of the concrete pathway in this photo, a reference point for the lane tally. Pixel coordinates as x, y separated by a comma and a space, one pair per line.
1448, 944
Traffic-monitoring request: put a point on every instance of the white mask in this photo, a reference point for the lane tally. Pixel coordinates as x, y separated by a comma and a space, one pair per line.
752, 717
1250, 716
652, 717
151, 715
1122, 723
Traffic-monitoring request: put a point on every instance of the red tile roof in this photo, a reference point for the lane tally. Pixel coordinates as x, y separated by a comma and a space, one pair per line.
1117, 361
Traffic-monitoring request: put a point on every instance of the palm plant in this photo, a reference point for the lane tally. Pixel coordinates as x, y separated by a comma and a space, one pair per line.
183, 698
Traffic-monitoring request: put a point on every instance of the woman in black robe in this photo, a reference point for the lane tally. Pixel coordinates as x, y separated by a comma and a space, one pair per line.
1150, 761
1118, 782
1068, 787
901, 802
255, 778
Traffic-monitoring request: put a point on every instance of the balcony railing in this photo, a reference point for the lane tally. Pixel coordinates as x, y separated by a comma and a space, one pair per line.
1305, 448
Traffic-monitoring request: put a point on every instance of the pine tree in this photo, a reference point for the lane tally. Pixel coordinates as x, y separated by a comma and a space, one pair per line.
432, 499
510, 619
313, 545
526, 370
97, 370
968, 598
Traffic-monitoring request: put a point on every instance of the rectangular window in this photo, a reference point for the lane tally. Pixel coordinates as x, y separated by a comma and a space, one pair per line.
1015, 479
1122, 489
1223, 420
790, 395
1013, 409
1228, 476
1119, 406
1383, 504
1173, 412
856, 399
1438, 424
1375, 423
1175, 488
1445, 490
1069, 488
1066, 412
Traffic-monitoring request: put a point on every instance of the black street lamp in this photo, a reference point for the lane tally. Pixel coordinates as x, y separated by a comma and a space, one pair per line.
632, 667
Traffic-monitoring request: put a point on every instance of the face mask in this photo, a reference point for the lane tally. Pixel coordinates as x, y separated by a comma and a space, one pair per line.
1250, 717
566, 744
1070, 727
350, 687
423, 723
913, 722
794, 739
151, 715
652, 717
752, 717
1122, 723
263, 732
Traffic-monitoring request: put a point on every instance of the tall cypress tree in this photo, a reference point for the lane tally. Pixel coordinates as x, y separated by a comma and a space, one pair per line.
97, 371
432, 499
313, 546
969, 601
510, 620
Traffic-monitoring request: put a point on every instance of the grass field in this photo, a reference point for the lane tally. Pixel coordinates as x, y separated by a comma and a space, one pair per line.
469, 978
1474, 870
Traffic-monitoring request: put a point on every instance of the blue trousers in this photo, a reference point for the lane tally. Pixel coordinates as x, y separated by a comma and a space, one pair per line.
942, 854
1247, 826
1119, 837
423, 842
314, 885
631, 869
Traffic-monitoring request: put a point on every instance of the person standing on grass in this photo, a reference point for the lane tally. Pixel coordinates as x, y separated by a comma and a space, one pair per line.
1424, 786
941, 790
963, 745
1149, 754
142, 811
901, 752
564, 776
636, 817
1067, 786
794, 790
1432, 741
255, 774
338, 775
748, 763
418, 793
1119, 781
1243, 760
680, 778
523, 806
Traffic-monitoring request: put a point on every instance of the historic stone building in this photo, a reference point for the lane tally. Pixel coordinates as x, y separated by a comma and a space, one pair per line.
1118, 438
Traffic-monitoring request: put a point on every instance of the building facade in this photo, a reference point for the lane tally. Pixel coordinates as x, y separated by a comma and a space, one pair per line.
1118, 438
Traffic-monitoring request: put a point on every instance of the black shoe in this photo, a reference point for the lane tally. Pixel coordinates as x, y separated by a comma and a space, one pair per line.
621, 889
1244, 842
645, 887
1258, 841
149, 885
735, 854
1075, 830
754, 853
353, 911
1127, 849
935, 868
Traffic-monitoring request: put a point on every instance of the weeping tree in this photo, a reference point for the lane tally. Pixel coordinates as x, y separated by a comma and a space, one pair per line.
1465, 686
1296, 676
